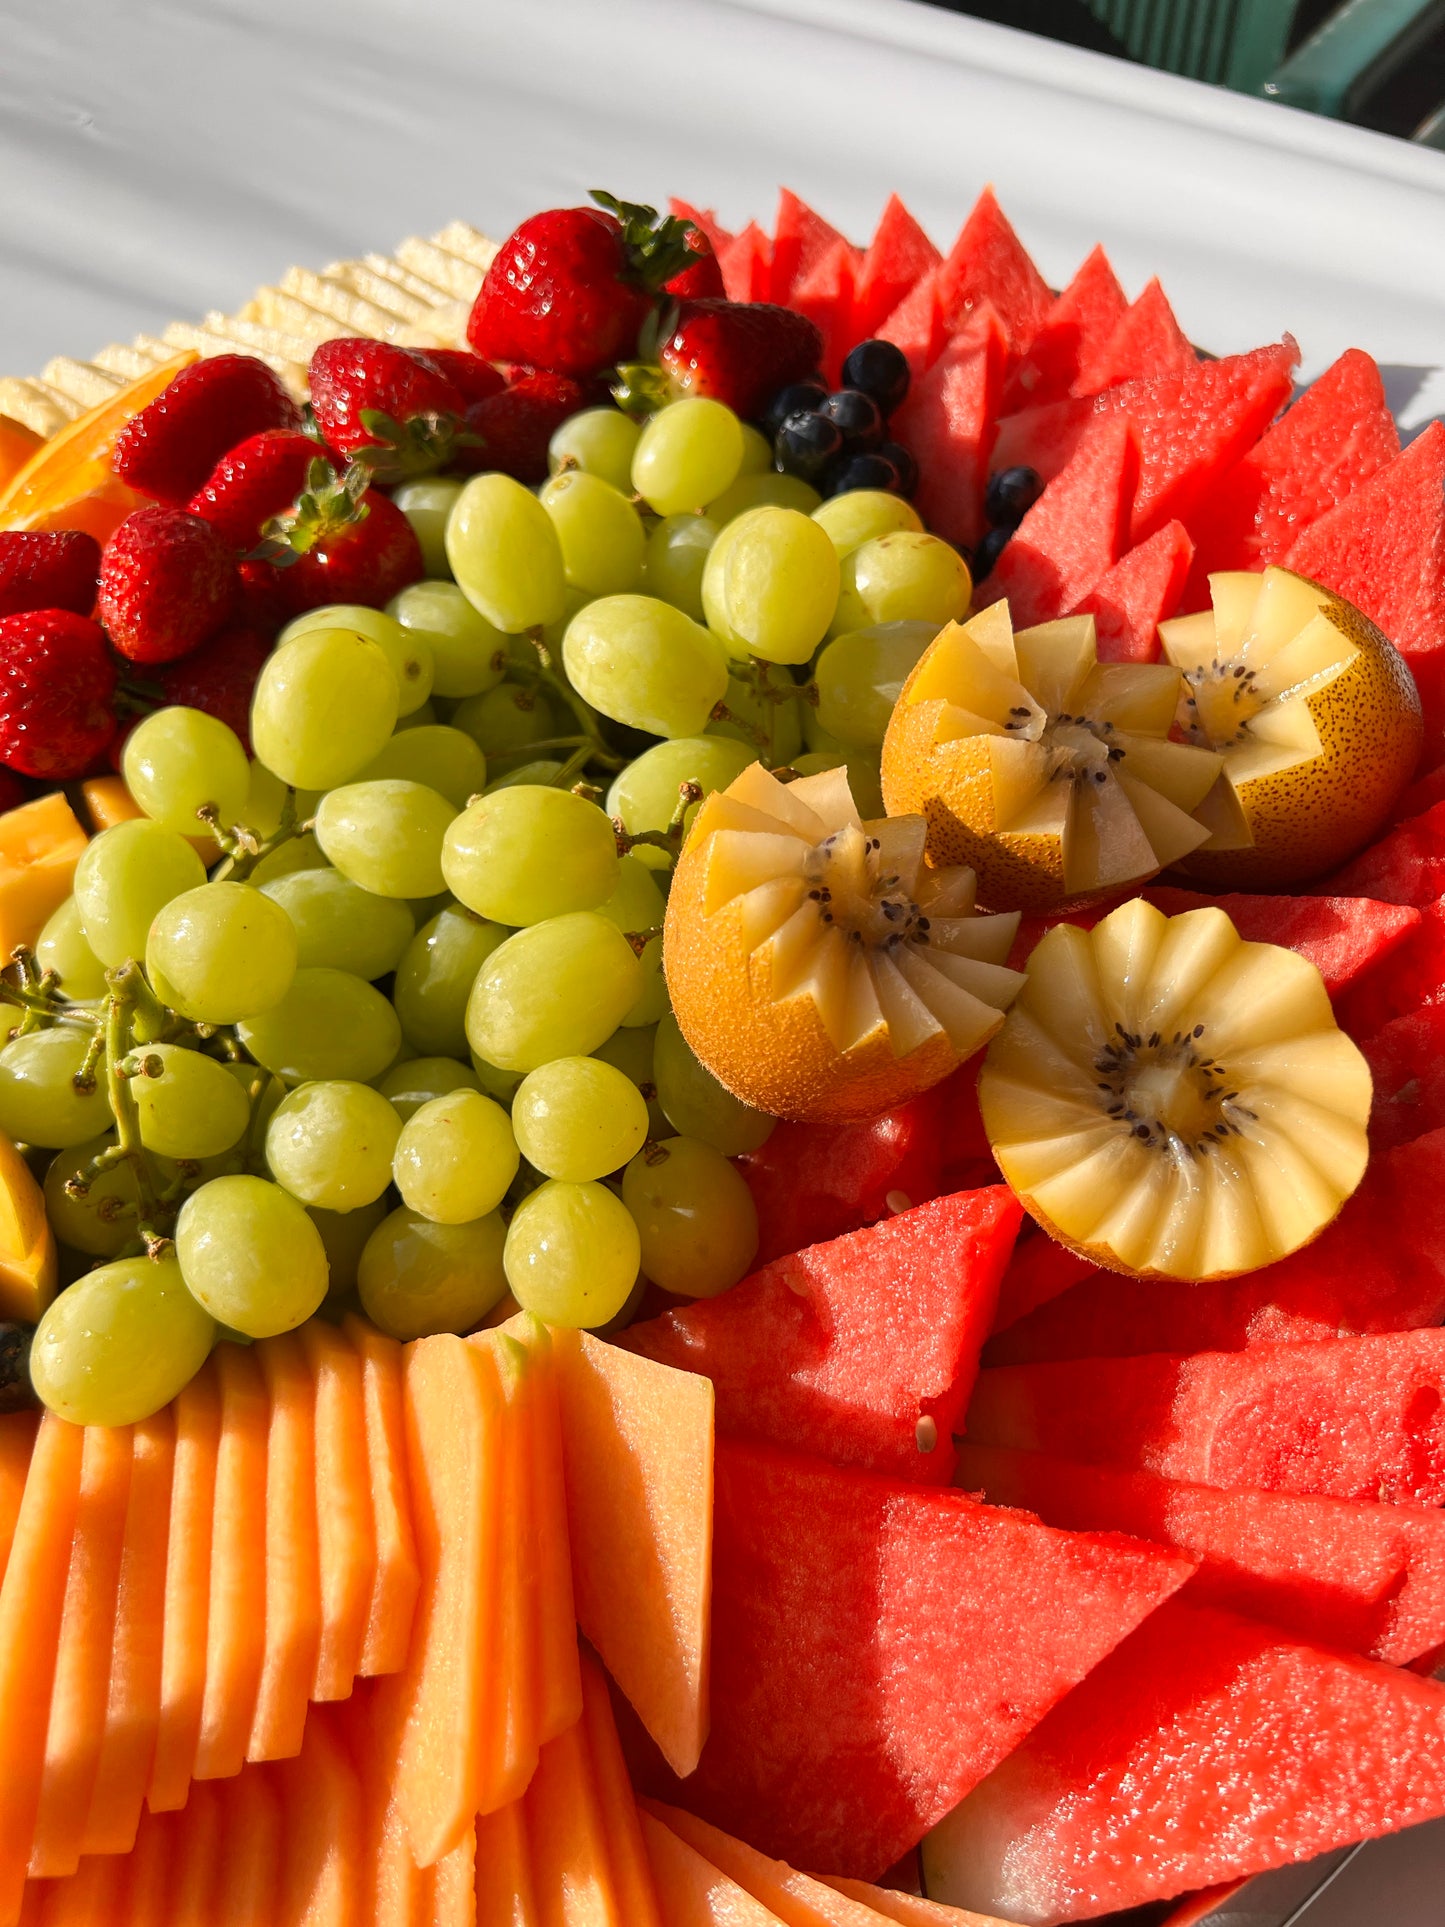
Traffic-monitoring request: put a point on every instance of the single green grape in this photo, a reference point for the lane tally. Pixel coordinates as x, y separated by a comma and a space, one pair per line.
644, 663
497, 1083
600, 532
339, 925
635, 905
427, 504
696, 1220
504, 552
572, 1253
631, 1052
677, 552
579, 1118
416, 1278
250, 1255
469, 655
265, 801
771, 585
696, 1104
504, 723
865, 775
558, 989
455, 1158
860, 675
903, 577
600, 441
435, 976
646, 794
422, 718
409, 1085
61, 947
345, 1235
178, 761
545, 772
39, 1102
189, 1107
329, 1024
102, 1222
860, 514
330, 1143
757, 452
529, 852
221, 953
325, 703
447, 760
763, 491
386, 835
120, 1343
751, 715
124, 877
687, 454
296, 853
408, 653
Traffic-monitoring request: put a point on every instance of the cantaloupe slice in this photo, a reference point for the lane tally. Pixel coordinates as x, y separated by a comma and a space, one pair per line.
512, 1756
693, 1892
250, 1852
559, 1678
40, 844
148, 1867
908, 1908
450, 1898
236, 1629
88, 1898
346, 1528
293, 1576
27, 1244
637, 1449
796, 1899
322, 1883
32, 1599
108, 802
196, 1862
505, 1895
631, 1873
394, 1590
133, 1700
17, 1442
186, 1614
570, 1862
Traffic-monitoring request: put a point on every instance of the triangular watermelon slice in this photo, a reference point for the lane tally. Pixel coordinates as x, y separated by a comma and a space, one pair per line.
703, 218
1411, 976
1074, 533
1146, 341
1365, 1576
1421, 795
801, 238
1130, 600
1206, 1747
989, 263
1405, 866
1346, 1418
1407, 1063
877, 1648
948, 423
898, 257
825, 295
862, 1351
1076, 327
746, 265
1038, 1270
916, 325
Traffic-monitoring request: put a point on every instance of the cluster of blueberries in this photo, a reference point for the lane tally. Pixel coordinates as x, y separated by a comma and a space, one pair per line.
1011, 493
838, 439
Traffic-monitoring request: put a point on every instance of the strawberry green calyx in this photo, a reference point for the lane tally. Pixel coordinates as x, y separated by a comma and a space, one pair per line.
640, 388
401, 450
657, 246
327, 503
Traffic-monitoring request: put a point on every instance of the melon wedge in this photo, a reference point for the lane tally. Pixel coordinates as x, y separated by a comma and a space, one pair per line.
236, 1628
186, 1616
321, 1875
27, 1244
40, 845
560, 1684
693, 1892
345, 1524
293, 1576
195, 1870
794, 1898
17, 1442
909, 1909
1079, 322
251, 1844
512, 1755
393, 1598
571, 1866
627, 1854
505, 1895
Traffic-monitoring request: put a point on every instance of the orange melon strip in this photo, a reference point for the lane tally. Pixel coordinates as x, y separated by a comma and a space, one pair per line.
560, 1682
32, 1600
293, 1574
133, 1702
795, 1898
236, 1631
346, 1528
188, 1588
622, 1829
908, 1909
511, 1759
322, 1883
505, 1894
451, 1896
88, 1898
693, 1892
17, 1442
393, 1596
250, 1852
570, 1862
148, 1873
196, 1859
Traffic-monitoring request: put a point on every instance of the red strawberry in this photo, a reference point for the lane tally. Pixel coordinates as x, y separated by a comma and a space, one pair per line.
391, 407
702, 278
167, 582
220, 676
261, 605
740, 352
477, 379
170, 447
348, 543
514, 428
57, 679
48, 571
12, 791
255, 480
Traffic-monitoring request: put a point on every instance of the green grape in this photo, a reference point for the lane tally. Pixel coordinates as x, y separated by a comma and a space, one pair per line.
409, 1085
435, 978
696, 1104
600, 532
757, 452
861, 514
423, 718
771, 585
558, 989
599, 441
572, 1254
504, 723
178, 761
455, 1158
631, 1051
221, 953
444, 758
903, 577
645, 794
295, 854
677, 552
750, 716
124, 877
579, 1118
386, 835
120, 1343
61, 947
469, 656
408, 653
527, 853
189, 1107
695, 1217
339, 925
251, 1256
504, 552
497, 1083
687, 455
638, 904
416, 1277
860, 675
763, 491
865, 777
103, 1222
325, 703
646, 664
39, 1103
345, 1235
329, 1024
543, 772
330, 1143
427, 504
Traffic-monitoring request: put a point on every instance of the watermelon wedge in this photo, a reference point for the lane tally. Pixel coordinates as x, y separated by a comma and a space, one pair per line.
1206, 1747
1367, 1577
989, 263
898, 257
1344, 937
1411, 976
1407, 1062
948, 423
1405, 866
916, 325
1077, 325
1075, 532
862, 1351
825, 295
1146, 341
746, 264
1141, 590
877, 1648
1038, 1270
704, 219
801, 237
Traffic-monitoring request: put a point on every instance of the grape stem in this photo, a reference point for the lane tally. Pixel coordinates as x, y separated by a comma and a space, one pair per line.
640, 939
130, 994
37, 994
244, 848
573, 767
546, 676
670, 839
720, 713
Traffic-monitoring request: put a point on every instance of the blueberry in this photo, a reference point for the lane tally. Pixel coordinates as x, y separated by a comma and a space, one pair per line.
880, 370
902, 460
798, 398
805, 444
989, 551
871, 470
858, 415
1012, 492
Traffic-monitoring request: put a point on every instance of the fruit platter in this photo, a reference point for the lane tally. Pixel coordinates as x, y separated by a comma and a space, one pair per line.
723, 1103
